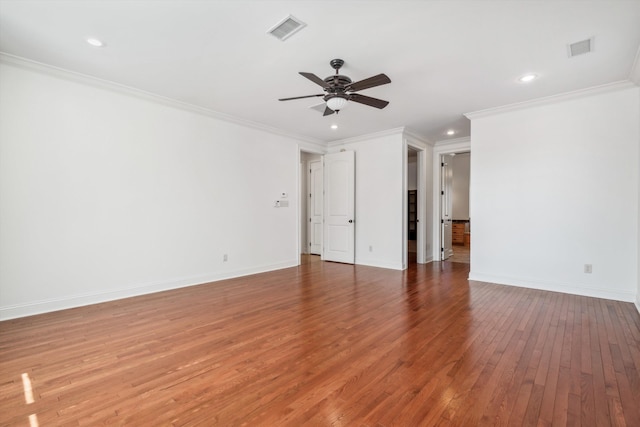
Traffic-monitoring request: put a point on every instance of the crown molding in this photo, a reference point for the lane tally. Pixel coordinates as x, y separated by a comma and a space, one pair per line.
547, 100
410, 133
381, 134
453, 141
99, 83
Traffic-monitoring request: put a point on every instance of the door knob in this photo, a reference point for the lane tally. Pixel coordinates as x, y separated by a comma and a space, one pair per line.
350, 221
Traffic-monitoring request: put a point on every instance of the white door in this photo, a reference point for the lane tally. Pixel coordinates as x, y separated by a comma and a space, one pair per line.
446, 181
339, 207
315, 207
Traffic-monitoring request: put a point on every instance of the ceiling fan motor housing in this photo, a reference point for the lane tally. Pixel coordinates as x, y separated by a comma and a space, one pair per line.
338, 80
336, 64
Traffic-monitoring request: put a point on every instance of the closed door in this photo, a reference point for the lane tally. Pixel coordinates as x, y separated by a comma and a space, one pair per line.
339, 207
315, 207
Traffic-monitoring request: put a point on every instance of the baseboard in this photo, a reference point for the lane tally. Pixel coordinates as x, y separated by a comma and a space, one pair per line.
555, 287
79, 300
380, 264
637, 303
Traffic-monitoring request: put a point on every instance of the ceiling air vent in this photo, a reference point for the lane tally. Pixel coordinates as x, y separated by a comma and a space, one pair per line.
287, 27
581, 47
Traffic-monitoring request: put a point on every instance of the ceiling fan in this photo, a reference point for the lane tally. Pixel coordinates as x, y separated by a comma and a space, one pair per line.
339, 89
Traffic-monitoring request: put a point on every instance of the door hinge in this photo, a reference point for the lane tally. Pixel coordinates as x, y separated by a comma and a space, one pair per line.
442, 221
309, 219
442, 192
309, 243
441, 249
442, 164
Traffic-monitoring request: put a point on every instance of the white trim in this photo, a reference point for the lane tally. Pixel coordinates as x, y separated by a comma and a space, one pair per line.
415, 137
421, 229
308, 143
79, 300
637, 304
395, 131
381, 264
452, 142
610, 87
404, 131
553, 287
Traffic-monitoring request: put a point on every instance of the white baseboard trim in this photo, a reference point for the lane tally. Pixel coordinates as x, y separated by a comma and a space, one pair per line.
555, 287
637, 303
79, 300
380, 264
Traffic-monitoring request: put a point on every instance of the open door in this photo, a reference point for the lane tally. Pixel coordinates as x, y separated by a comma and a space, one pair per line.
446, 182
339, 207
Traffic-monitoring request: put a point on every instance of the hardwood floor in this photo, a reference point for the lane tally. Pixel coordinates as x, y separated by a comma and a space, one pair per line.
328, 344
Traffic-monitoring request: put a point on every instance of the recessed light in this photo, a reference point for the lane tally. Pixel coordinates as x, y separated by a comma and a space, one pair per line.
451, 132
95, 42
528, 78
334, 127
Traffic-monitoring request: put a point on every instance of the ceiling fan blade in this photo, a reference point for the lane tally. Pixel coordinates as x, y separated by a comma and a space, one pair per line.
380, 79
300, 97
367, 100
328, 111
317, 80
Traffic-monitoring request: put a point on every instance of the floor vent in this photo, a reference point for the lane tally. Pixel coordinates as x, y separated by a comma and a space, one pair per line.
580, 48
287, 27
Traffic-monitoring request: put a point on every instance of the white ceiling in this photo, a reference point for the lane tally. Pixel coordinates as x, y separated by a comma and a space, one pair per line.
444, 58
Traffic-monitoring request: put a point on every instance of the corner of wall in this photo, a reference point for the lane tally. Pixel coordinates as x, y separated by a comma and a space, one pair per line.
634, 75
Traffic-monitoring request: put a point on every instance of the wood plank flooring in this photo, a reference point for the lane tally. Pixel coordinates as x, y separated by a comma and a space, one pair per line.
328, 344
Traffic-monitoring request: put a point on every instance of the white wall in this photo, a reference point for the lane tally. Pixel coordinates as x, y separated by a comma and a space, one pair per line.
555, 187
105, 195
460, 187
379, 199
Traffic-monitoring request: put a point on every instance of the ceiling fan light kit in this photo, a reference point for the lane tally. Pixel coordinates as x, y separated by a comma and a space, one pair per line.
339, 89
336, 103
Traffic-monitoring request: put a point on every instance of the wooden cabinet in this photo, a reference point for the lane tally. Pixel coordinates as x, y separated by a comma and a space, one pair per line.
412, 201
457, 233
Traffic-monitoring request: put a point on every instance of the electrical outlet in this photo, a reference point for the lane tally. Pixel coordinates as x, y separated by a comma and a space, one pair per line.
588, 268
225, 258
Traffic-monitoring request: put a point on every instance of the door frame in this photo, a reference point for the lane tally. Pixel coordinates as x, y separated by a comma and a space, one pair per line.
311, 200
421, 228
302, 222
443, 147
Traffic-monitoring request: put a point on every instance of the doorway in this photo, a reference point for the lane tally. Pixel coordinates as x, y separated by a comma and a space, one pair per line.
327, 206
414, 230
455, 223
412, 205
458, 147
311, 181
